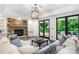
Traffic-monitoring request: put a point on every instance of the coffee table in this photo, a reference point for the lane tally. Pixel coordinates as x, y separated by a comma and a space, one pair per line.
39, 42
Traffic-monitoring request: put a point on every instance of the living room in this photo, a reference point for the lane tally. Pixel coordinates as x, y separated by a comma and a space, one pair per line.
50, 32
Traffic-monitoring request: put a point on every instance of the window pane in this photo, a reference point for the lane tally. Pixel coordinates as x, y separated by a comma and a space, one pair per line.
76, 24
46, 28
70, 25
73, 24
41, 28
61, 25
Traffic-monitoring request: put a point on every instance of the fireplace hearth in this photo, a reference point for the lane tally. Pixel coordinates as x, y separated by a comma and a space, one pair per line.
19, 32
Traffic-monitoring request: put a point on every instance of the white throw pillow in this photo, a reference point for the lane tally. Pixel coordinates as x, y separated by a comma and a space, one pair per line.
67, 50
72, 41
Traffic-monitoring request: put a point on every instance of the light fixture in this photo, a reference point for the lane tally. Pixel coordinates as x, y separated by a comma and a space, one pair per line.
18, 18
35, 12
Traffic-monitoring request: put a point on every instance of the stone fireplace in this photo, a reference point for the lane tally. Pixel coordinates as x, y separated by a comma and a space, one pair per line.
19, 32
18, 27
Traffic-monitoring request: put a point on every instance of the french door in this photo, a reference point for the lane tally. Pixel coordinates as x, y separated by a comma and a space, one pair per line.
44, 28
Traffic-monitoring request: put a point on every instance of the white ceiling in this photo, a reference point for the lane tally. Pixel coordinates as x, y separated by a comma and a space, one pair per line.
24, 10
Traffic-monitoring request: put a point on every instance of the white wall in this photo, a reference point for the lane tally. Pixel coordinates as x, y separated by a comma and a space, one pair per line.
33, 28
3, 25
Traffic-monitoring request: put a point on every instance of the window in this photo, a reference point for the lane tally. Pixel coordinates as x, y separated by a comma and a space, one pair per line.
41, 28
44, 28
68, 25
73, 24
61, 25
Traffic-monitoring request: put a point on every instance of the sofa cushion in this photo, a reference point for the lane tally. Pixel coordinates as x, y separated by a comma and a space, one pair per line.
57, 43
71, 41
15, 40
49, 49
3, 40
6, 47
28, 49
61, 40
58, 48
67, 50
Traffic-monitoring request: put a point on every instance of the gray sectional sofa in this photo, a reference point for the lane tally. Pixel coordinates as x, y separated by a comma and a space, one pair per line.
61, 46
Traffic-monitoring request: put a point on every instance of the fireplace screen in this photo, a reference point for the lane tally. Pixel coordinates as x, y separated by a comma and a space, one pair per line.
19, 32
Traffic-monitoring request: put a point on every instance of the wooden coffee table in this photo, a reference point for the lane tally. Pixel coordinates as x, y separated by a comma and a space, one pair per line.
39, 42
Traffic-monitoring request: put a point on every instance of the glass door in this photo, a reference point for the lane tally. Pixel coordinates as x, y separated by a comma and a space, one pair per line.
46, 28
41, 28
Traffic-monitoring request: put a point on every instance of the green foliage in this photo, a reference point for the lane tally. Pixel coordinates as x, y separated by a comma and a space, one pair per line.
73, 24
70, 25
61, 24
41, 26
44, 24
